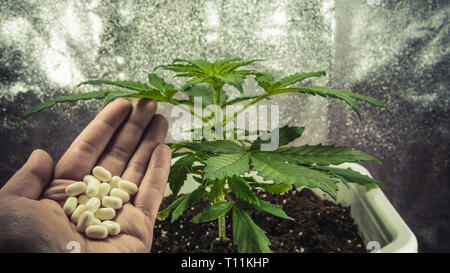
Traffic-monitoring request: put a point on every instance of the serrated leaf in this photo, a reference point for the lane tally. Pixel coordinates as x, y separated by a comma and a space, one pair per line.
212, 212
167, 89
217, 146
272, 168
242, 190
247, 235
350, 176
178, 172
349, 97
150, 94
70, 98
286, 135
273, 188
226, 165
163, 214
114, 95
267, 207
323, 155
189, 200
296, 78
216, 194
133, 85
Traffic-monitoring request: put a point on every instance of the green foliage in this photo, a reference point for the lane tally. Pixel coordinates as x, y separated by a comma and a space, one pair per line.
212, 212
222, 167
247, 235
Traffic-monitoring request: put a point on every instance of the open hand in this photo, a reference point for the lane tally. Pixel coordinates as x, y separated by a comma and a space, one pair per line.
125, 139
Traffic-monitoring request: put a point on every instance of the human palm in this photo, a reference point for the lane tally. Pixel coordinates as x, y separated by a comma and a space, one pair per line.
123, 138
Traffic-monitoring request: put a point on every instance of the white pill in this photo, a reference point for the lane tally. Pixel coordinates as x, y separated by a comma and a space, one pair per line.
101, 174
77, 213
95, 221
128, 186
86, 219
105, 213
75, 189
114, 182
103, 190
70, 205
93, 185
97, 231
123, 195
113, 227
93, 204
82, 199
112, 202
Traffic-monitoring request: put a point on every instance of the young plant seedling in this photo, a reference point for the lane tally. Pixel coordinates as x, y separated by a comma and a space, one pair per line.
221, 165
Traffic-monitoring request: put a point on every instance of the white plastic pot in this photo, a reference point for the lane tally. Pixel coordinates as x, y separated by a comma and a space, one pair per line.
383, 229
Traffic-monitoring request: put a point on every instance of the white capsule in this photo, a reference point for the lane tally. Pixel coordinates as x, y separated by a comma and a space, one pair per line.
75, 189
70, 205
97, 231
77, 213
128, 186
103, 190
86, 219
82, 199
123, 195
105, 213
93, 204
113, 227
114, 182
93, 185
101, 174
112, 202
95, 221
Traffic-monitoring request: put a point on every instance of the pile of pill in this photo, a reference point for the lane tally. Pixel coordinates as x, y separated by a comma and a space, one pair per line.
92, 203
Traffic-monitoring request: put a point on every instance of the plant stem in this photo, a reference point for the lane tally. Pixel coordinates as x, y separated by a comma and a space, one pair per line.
221, 222
216, 92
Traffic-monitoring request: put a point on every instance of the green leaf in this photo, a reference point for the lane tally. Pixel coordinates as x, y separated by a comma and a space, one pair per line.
204, 91
247, 235
150, 94
189, 200
267, 207
70, 98
323, 155
226, 165
296, 78
286, 135
216, 194
163, 214
272, 168
349, 97
167, 89
133, 85
242, 190
178, 172
114, 95
350, 176
273, 188
212, 212
217, 146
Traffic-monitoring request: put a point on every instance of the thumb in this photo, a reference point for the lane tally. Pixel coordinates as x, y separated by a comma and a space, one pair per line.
32, 178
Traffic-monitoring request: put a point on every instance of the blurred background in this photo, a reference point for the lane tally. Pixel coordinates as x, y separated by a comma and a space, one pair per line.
397, 51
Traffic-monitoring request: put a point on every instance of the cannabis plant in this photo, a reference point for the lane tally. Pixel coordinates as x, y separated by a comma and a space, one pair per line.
221, 164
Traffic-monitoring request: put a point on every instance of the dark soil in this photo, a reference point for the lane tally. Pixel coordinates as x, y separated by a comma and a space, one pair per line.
320, 226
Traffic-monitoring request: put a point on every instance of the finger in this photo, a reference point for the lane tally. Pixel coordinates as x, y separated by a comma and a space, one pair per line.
151, 190
84, 152
32, 178
155, 134
119, 151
